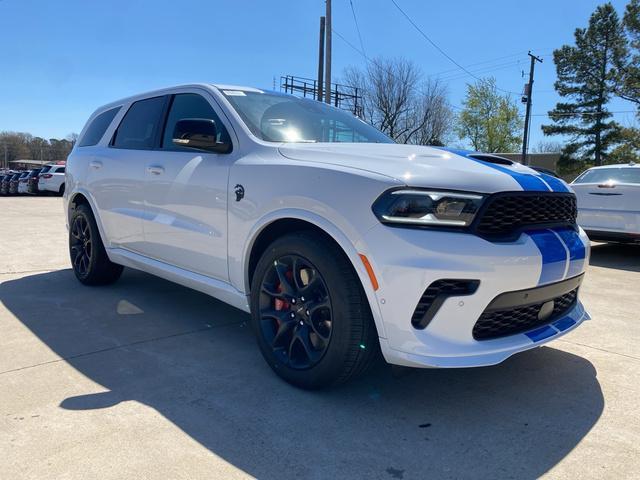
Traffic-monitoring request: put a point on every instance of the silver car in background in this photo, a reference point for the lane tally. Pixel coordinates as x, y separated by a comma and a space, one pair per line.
609, 202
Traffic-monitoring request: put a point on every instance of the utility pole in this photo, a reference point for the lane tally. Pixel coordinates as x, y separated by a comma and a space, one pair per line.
527, 115
327, 70
321, 59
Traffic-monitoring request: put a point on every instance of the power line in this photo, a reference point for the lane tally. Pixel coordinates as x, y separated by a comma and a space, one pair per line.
457, 70
576, 114
457, 107
355, 20
484, 70
445, 54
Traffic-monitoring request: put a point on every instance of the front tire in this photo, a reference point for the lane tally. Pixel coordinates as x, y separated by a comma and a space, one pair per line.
310, 314
89, 260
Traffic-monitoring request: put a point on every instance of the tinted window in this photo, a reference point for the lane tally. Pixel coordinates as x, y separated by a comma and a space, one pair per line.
45, 169
98, 126
139, 127
60, 170
615, 175
276, 117
190, 105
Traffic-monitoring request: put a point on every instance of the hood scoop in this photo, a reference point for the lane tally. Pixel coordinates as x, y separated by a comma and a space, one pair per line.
491, 159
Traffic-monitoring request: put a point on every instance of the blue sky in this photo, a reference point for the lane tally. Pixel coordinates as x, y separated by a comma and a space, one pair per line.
61, 59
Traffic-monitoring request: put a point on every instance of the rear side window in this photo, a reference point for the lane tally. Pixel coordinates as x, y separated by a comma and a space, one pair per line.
45, 169
190, 105
60, 170
98, 126
139, 127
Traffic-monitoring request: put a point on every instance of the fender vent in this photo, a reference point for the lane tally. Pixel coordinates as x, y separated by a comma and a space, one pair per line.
435, 295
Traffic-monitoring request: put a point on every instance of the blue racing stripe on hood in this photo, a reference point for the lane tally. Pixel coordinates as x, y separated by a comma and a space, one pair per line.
554, 255
556, 184
577, 250
529, 182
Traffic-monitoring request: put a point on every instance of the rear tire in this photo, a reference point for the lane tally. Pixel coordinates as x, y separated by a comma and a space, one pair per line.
341, 338
89, 260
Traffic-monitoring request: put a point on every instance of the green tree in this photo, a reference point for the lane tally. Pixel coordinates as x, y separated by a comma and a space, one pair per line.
628, 64
489, 120
628, 149
586, 77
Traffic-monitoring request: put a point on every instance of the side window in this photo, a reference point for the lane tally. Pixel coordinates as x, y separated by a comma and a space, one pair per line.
139, 127
98, 126
60, 170
189, 105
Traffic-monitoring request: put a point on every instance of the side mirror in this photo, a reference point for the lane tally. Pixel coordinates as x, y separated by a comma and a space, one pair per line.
200, 133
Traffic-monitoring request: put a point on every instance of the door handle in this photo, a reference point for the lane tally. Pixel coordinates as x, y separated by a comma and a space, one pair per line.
155, 169
95, 164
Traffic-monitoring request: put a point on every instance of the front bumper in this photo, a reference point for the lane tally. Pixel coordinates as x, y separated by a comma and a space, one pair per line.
406, 261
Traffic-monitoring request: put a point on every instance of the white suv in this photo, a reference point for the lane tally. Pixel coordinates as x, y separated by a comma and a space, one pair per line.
51, 179
339, 242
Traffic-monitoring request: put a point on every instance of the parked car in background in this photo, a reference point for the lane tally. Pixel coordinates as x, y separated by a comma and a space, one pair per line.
337, 240
52, 180
4, 183
14, 182
609, 202
23, 182
32, 181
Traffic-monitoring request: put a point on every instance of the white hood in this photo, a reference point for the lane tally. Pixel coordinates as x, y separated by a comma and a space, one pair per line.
416, 166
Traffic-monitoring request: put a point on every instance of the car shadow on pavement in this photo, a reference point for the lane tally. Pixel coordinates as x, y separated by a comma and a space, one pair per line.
616, 255
194, 360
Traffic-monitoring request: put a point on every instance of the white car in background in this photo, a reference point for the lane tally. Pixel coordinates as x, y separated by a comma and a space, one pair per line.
339, 242
51, 179
22, 183
609, 202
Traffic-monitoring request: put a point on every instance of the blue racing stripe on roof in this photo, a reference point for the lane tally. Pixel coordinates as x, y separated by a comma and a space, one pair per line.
528, 181
554, 255
577, 250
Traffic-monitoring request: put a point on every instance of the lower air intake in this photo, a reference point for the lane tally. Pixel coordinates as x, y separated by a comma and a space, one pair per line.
435, 295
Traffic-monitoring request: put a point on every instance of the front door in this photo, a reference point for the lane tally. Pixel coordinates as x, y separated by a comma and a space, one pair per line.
186, 196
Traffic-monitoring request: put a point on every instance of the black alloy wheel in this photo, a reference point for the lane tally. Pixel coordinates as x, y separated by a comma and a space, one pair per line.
89, 259
81, 245
309, 312
295, 312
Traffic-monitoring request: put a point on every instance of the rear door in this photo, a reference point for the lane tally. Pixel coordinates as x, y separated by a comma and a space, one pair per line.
609, 199
117, 173
186, 194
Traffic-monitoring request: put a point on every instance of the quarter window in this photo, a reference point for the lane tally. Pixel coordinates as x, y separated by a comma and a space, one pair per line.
139, 127
98, 126
190, 105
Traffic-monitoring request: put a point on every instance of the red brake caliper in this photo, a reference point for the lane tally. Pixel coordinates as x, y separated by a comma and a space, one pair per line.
280, 304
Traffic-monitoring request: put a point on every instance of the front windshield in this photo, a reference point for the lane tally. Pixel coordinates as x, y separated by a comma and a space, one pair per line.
610, 175
276, 117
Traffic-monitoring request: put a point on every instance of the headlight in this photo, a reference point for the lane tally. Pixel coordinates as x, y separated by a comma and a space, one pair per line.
429, 208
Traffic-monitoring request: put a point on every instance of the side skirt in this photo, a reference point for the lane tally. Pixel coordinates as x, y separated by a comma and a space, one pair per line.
223, 291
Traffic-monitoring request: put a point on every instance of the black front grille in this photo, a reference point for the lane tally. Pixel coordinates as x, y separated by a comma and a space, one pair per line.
509, 213
500, 323
435, 295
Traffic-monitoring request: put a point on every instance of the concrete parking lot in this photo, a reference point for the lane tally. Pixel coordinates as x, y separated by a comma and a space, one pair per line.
147, 379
